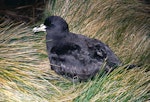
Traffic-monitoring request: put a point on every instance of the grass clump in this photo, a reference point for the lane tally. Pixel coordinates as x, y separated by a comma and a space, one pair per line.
25, 75
22, 75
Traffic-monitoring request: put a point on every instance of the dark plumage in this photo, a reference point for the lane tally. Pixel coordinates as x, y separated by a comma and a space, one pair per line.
74, 55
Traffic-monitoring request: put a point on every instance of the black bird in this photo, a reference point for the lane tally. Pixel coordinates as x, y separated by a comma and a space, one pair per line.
74, 55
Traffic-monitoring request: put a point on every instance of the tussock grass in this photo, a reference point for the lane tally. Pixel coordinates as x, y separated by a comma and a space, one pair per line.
25, 75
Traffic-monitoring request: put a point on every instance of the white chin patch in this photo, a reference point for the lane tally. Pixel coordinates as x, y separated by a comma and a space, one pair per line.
39, 29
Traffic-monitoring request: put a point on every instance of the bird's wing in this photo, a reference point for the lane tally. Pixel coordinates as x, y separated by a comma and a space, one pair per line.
102, 52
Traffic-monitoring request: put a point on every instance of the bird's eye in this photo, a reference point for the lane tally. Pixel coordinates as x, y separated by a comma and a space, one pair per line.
47, 22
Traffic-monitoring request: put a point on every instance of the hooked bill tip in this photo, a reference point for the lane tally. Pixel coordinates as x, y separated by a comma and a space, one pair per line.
42, 27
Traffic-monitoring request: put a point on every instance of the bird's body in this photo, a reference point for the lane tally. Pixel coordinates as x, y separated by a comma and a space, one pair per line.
74, 55
77, 55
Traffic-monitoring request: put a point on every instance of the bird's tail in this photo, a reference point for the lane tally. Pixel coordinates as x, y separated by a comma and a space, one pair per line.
131, 66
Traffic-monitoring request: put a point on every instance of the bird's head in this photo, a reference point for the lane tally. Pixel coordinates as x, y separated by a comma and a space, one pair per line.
55, 26
57, 23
